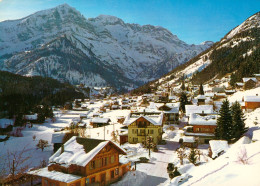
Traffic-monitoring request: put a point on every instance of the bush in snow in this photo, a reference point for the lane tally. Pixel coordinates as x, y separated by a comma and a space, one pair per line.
242, 156
193, 156
181, 154
42, 144
171, 128
34, 137
17, 132
172, 171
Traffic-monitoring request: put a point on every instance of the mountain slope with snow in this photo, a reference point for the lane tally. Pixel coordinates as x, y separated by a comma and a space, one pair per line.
237, 52
134, 53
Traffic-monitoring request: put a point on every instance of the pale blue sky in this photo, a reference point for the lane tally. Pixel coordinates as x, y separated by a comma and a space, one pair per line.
193, 21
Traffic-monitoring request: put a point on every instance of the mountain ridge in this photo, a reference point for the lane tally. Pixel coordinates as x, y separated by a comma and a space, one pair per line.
136, 53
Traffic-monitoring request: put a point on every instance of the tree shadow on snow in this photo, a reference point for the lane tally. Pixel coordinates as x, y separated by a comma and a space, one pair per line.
153, 181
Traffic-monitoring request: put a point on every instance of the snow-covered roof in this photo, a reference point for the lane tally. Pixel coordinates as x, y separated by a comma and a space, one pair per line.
188, 139
240, 84
256, 135
196, 119
218, 146
57, 137
199, 134
252, 98
6, 122
201, 97
247, 79
155, 119
100, 120
31, 117
198, 109
80, 151
54, 175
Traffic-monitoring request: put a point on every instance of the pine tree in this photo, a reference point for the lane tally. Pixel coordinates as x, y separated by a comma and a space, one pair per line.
183, 86
183, 101
224, 122
201, 91
238, 124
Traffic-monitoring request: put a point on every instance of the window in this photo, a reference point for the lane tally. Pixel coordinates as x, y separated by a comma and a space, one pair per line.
116, 171
93, 179
112, 159
99, 163
112, 174
151, 131
92, 165
104, 161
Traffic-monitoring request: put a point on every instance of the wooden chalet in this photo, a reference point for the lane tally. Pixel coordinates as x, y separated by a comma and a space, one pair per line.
99, 122
202, 127
252, 102
249, 83
142, 125
83, 161
171, 114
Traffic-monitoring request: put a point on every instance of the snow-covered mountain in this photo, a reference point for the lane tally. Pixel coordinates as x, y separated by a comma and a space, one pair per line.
63, 44
237, 52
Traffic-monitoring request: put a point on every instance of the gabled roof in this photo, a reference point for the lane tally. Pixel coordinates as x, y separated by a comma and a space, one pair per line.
81, 151
154, 119
55, 175
196, 119
252, 98
57, 137
249, 78
100, 120
207, 109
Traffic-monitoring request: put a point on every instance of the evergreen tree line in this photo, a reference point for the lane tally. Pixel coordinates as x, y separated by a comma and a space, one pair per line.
20, 95
230, 123
234, 59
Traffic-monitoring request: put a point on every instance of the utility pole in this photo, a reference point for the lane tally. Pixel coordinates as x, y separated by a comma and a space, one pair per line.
149, 143
104, 132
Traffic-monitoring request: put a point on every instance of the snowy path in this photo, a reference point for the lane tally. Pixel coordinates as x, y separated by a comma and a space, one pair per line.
157, 169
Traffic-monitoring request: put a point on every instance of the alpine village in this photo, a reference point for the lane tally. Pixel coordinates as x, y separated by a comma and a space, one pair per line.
99, 101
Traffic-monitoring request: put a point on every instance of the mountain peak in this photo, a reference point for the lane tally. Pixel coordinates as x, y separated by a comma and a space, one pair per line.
109, 19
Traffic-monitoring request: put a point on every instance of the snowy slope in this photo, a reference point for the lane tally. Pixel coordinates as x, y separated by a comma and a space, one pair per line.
236, 37
136, 53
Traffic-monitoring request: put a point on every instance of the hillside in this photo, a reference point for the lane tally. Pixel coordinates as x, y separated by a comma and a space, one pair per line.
62, 44
237, 52
20, 94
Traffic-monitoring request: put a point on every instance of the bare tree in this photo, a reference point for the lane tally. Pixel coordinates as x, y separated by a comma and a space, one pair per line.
242, 156
42, 144
81, 132
114, 136
15, 166
181, 154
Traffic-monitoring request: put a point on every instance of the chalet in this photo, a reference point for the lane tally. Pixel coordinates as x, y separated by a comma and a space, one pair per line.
125, 107
201, 99
230, 92
99, 122
239, 85
114, 107
142, 125
249, 83
188, 141
217, 147
171, 113
83, 161
6, 125
218, 89
57, 140
257, 76
252, 102
218, 96
198, 109
202, 127
31, 118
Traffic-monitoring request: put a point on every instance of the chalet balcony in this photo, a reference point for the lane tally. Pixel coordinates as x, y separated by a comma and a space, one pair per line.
141, 134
